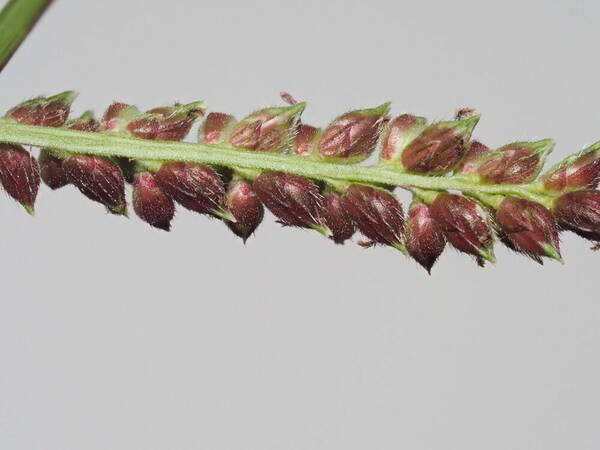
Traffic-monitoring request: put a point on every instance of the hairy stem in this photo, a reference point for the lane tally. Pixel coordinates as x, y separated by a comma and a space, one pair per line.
107, 144
16, 20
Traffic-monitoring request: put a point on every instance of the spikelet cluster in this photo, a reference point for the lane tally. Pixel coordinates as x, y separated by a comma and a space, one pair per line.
470, 222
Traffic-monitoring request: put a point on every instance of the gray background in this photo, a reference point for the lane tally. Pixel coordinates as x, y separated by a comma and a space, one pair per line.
115, 336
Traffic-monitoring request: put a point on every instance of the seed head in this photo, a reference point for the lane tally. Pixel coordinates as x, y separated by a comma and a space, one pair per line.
216, 127
85, 122
472, 158
51, 170
515, 163
579, 212
337, 219
196, 187
465, 224
376, 213
580, 171
529, 226
267, 130
117, 116
243, 203
150, 203
294, 200
166, 123
304, 140
353, 136
44, 111
399, 133
98, 179
439, 148
19, 174
425, 241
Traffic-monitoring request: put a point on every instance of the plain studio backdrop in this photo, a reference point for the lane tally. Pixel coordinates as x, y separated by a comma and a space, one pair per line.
116, 336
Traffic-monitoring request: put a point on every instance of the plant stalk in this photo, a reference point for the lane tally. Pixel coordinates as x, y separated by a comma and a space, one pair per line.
109, 145
16, 20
